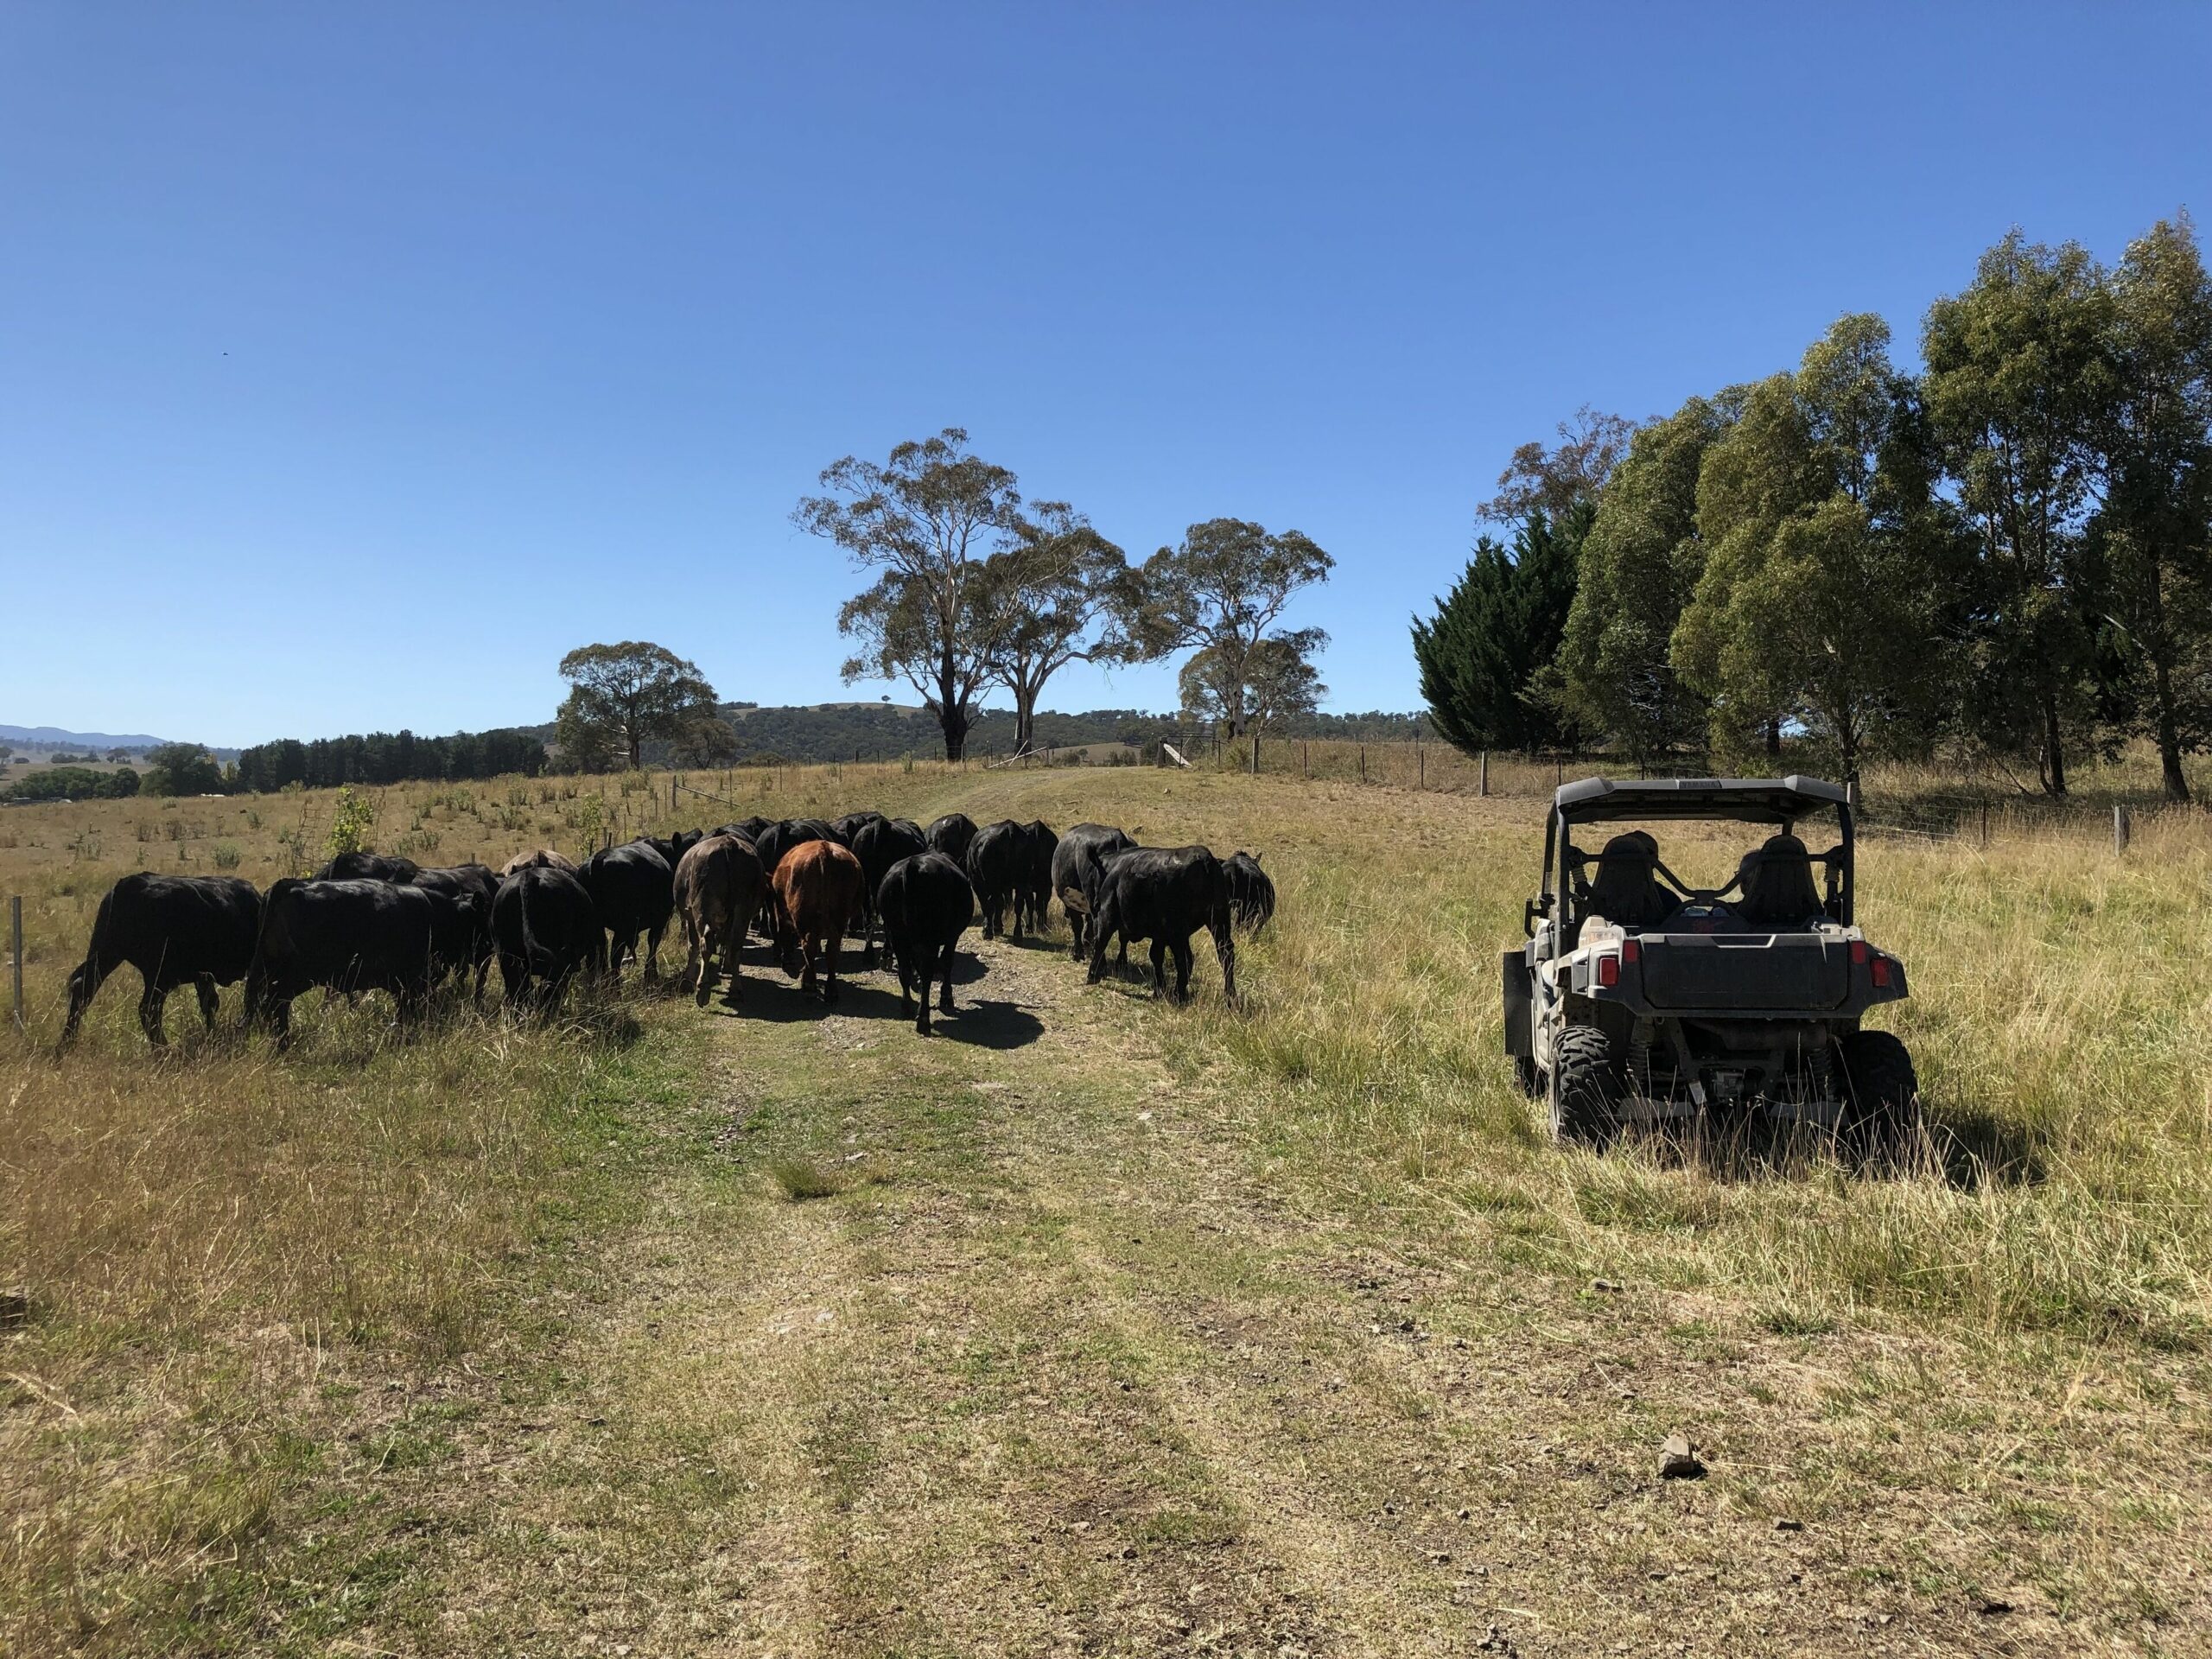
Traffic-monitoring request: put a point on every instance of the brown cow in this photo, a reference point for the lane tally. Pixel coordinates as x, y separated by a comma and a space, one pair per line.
818, 890
719, 885
544, 858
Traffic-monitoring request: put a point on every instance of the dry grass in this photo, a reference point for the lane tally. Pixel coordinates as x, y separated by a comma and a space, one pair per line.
258, 1284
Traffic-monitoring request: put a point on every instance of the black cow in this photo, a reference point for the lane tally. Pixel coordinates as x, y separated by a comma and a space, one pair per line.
926, 904
749, 830
997, 861
672, 848
173, 929
1078, 863
548, 932
950, 836
778, 839
879, 844
367, 867
1251, 895
632, 888
1165, 895
469, 881
844, 830
1033, 897
350, 937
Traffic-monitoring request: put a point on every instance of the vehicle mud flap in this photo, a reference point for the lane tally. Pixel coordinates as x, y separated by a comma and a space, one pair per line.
1518, 999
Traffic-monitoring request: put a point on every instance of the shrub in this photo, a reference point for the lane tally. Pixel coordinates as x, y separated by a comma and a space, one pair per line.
227, 856
352, 825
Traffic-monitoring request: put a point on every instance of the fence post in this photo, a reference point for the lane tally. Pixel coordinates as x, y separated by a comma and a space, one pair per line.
1559, 770
16, 957
1256, 754
1483, 786
1362, 763
2119, 828
1985, 823
1421, 764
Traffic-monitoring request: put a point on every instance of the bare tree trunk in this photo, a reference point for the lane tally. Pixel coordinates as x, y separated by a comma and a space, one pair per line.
1774, 736
2162, 682
2054, 770
1024, 717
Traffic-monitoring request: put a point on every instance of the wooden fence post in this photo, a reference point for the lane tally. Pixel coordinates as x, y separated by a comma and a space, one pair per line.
1985, 822
1362, 763
1483, 786
1256, 754
2119, 828
1421, 764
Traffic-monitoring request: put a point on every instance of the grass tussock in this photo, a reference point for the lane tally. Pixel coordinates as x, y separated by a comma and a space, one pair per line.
800, 1178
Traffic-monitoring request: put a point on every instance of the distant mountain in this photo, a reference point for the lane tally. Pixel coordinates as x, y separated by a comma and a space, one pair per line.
53, 737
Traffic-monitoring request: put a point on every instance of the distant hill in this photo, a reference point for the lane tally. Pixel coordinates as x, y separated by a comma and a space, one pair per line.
53, 737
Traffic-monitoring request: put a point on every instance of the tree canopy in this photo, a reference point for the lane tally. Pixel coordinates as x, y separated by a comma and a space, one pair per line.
1221, 591
1485, 656
620, 695
927, 521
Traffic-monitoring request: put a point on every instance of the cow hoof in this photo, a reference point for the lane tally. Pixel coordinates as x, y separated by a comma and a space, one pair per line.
922, 1025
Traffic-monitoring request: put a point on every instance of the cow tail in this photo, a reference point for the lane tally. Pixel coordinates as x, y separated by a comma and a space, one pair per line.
540, 961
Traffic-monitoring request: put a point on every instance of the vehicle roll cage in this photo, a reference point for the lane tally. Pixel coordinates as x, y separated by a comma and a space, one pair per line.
1781, 802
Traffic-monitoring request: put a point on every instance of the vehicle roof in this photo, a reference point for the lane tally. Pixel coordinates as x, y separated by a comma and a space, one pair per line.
1752, 800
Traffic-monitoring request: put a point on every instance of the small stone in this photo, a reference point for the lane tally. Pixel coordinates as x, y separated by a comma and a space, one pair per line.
1440, 1556
1465, 1515
1678, 1459
1784, 1524
1606, 1286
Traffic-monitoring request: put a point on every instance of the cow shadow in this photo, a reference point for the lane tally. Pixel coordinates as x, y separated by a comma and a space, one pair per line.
983, 1022
780, 1000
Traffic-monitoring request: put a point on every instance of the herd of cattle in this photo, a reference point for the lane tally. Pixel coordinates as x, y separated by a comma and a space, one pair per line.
366, 923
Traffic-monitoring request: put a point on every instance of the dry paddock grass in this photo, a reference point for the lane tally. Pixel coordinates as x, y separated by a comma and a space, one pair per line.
273, 1303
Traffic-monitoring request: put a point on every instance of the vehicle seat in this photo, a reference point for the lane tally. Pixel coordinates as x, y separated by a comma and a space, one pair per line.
1626, 891
1778, 890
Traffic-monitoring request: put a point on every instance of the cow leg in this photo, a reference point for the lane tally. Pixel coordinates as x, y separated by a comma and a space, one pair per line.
1182, 949
1102, 929
733, 936
907, 978
483, 972
1018, 908
624, 944
653, 953
82, 985
149, 1012
1224, 951
514, 975
280, 1021
832, 945
698, 961
1158, 967
944, 960
205, 984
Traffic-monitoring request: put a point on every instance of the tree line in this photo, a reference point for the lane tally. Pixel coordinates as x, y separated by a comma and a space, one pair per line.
381, 758
2007, 552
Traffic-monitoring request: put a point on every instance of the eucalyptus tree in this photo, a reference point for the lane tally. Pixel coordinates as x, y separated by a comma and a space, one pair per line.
1640, 563
1818, 604
927, 521
2152, 541
620, 695
1222, 590
2022, 374
1058, 592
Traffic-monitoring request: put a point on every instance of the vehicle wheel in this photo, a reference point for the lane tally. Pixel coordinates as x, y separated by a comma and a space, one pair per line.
1530, 1079
1881, 1123
1587, 1088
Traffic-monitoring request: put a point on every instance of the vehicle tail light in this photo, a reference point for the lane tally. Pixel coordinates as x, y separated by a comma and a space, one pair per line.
1859, 953
1609, 970
1881, 968
1631, 951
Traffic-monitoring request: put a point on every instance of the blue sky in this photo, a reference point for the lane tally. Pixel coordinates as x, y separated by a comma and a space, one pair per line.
356, 362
